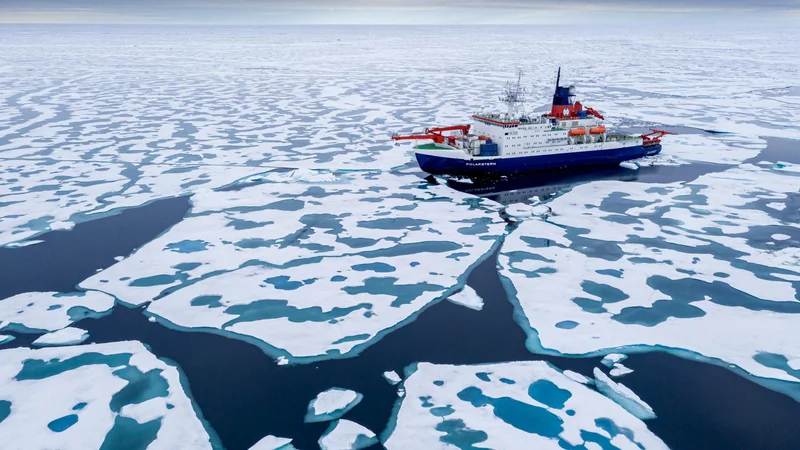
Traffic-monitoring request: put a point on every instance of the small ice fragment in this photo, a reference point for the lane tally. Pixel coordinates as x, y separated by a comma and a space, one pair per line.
794, 364
401, 392
4, 338
282, 360
613, 358
24, 243
623, 396
67, 336
119, 258
619, 370
467, 297
628, 165
780, 237
575, 376
332, 404
345, 434
62, 225
270, 442
152, 319
392, 377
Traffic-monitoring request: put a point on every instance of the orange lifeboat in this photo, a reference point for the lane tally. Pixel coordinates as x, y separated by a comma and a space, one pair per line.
598, 130
577, 131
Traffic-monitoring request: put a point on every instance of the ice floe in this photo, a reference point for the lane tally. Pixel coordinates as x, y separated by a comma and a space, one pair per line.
467, 297
512, 405
273, 443
95, 396
392, 377
332, 404
613, 358
629, 165
346, 435
5, 339
310, 271
50, 311
623, 396
66, 336
575, 376
680, 266
618, 370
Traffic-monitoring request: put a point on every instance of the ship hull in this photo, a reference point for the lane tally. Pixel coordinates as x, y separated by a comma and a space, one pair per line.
442, 164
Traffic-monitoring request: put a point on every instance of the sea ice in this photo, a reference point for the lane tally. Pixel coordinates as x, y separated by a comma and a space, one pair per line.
332, 404
515, 405
623, 396
392, 377
613, 358
309, 270
619, 370
346, 435
50, 311
66, 336
629, 165
681, 266
95, 396
273, 443
62, 225
467, 297
575, 376
4, 339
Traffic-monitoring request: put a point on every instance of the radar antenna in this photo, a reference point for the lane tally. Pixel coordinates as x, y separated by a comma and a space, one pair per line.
514, 96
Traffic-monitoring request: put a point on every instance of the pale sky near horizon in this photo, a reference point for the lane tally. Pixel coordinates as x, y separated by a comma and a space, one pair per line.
394, 11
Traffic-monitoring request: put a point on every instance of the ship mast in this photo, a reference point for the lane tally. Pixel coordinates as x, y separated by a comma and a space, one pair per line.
514, 96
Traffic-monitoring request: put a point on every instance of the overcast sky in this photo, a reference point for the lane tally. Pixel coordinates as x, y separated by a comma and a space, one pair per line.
390, 11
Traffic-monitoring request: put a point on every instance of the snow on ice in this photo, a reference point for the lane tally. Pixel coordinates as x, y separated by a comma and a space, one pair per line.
273, 443
95, 396
686, 266
66, 336
392, 377
332, 404
346, 435
467, 297
309, 270
509, 405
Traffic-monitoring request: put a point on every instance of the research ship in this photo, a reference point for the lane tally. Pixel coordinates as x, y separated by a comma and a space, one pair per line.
513, 142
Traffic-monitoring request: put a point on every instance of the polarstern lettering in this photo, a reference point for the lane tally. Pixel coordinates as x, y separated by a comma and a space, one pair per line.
482, 164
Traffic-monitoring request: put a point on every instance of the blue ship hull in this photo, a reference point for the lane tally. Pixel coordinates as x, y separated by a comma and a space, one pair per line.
442, 165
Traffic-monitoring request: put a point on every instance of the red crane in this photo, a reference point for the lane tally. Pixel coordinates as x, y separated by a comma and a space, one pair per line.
654, 136
435, 134
595, 113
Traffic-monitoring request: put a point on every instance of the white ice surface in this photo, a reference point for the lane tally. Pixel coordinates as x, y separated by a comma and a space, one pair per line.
446, 402
467, 297
628, 165
346, 435
62, 225
392, 377
623, 396
331, 404
575, 376
626, 251
50, 311
66, 336
37, 401
272, 443
5, 339
256, 263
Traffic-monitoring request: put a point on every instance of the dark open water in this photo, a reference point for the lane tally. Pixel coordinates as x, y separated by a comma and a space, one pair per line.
244, 395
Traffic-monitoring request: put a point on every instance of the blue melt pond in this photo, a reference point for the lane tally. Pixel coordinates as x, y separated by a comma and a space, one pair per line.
566, 325
188, 246
547, 393
375, 267
62, 423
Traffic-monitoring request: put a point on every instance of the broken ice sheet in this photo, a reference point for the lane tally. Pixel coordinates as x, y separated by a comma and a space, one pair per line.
516, 405
309, 271
66, 336
332, 404
622, 395
93, 396
682, 266
346, 435
50, 311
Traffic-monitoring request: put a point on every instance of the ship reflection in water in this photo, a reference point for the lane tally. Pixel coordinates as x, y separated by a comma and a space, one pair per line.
544, 185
